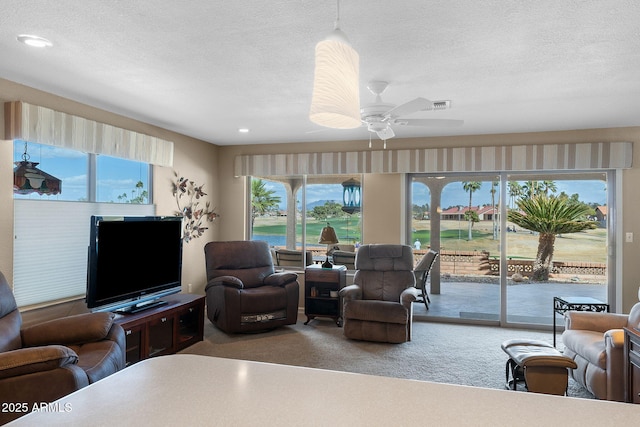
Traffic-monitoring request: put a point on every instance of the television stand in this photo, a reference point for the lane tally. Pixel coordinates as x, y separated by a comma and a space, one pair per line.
136, 308
175, 324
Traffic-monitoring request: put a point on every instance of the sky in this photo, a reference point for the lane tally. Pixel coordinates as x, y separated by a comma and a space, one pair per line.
591, 191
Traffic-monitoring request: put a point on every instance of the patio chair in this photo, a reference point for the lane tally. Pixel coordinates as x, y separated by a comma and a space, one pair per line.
346, 258
421, 271
292, 258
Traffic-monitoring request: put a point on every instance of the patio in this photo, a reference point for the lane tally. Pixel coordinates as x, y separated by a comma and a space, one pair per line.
479, 302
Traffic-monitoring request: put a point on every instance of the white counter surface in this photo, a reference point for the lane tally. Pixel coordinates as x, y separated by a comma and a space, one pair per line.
190, 390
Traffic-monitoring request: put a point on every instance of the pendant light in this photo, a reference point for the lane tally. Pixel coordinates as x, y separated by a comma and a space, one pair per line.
27, 178
336, 95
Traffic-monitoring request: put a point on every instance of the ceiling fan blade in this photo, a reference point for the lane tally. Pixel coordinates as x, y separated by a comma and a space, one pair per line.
428, 122
386, 133
409, 107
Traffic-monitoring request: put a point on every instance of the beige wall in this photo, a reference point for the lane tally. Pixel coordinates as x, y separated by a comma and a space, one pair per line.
6, 208
193, 159
383, 194
213, 166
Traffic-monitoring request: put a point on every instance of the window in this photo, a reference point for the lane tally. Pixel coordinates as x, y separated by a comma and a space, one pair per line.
52, 231
290, 212
122, 181
69, 166
116, 180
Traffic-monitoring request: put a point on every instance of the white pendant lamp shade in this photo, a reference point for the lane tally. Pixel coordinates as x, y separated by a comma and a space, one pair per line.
336, 95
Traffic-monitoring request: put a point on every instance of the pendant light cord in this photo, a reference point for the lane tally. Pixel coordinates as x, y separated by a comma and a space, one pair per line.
25, 155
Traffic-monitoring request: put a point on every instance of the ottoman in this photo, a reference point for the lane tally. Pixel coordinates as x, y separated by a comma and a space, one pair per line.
538, 364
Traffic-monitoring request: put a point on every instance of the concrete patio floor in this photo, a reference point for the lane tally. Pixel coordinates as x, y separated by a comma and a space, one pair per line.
527, 302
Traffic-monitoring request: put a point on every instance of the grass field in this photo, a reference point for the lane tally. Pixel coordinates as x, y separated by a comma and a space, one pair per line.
348, 231
587, 246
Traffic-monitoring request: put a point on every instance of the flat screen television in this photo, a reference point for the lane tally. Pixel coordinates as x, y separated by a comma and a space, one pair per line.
133, 261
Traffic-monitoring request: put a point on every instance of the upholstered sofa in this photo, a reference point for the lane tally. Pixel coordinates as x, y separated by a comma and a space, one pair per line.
595, 342
44, 362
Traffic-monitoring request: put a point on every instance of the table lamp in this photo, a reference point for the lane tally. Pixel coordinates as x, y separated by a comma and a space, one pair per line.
328, 237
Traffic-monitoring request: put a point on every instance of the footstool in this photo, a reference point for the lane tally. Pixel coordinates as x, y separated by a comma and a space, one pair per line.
539, 364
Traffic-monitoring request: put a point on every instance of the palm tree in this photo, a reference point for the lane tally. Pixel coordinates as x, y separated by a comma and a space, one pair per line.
494, 189
471, 187
515, 191
549, 187
531, 188
549, 216
262, 200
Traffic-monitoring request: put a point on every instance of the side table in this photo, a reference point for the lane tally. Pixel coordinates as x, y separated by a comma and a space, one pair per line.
321, 287
632, 365
563, 304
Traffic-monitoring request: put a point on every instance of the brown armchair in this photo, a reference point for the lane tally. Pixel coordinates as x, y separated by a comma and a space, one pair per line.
595, 341
47, 361
244, 293
378, 306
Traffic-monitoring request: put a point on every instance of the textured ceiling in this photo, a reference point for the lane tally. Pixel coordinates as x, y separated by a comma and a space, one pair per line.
206, 68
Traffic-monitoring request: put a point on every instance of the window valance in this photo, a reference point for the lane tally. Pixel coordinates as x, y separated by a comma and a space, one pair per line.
42, 125
534, 157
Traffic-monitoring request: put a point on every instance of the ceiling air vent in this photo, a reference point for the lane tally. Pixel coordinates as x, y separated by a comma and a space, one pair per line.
440, 105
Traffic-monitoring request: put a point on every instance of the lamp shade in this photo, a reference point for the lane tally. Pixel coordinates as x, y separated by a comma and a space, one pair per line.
328, 236
336, 94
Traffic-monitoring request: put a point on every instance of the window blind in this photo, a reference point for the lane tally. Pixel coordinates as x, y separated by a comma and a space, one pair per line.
50, 246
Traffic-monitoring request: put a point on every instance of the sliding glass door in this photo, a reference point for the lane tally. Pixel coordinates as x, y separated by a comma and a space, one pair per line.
457, 216
489, 269
546, 255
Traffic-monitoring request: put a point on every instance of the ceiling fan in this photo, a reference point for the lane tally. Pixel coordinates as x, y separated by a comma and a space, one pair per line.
380, 117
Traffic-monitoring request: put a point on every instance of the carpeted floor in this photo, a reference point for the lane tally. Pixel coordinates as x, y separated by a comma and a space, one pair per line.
439, 352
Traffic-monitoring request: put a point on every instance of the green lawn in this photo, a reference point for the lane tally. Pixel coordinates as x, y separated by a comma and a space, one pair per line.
587, 246
348, 231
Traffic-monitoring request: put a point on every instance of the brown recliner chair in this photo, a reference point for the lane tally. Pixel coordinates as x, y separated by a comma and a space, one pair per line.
47, 361
595, 341
378, 306
244, 293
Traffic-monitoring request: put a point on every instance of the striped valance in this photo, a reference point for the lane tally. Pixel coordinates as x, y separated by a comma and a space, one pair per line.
41, 125
535, 157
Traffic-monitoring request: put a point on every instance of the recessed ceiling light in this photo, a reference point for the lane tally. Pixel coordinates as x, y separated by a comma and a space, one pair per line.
34, 41
243, 130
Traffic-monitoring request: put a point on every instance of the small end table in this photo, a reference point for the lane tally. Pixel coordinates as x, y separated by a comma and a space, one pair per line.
321, 287
563, 304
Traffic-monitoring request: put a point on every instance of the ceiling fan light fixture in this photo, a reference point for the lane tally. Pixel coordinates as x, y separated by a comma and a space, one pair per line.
335, 102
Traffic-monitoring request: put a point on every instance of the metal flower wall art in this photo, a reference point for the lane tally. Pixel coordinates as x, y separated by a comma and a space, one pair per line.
189, 198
